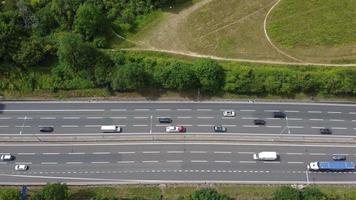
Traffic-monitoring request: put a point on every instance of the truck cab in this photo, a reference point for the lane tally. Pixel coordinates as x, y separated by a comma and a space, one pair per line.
266, 155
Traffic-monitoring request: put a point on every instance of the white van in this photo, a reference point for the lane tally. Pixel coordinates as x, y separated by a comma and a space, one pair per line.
110, 129
266, 155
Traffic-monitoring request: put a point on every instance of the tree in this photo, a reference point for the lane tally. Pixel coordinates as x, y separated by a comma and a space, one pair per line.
75, 53
89, 21
31, 52
207, 194
10, 194
65, 11
55, 191
286, 193
313, 193
12, 32
210, 75
46, 21
130, 76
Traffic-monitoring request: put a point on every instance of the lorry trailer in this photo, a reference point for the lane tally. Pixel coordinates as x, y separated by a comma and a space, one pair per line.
331, 166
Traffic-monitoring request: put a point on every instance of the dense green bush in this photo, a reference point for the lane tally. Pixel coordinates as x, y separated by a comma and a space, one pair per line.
207, 194
10, 194
55, 191
287, 193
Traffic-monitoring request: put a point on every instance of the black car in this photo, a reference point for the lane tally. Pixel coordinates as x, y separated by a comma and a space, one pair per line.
259, 122
165, 120
325, 131
47, 129
279, 115
338, 157
219, 129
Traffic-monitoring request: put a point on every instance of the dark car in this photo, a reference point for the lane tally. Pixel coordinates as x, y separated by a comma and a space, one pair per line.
279, 115
325, 131
219, 129
338, 157
165, 120
259, 122
47, 129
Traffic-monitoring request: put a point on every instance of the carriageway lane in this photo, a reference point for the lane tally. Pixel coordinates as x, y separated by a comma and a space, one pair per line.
171, 162
199, 117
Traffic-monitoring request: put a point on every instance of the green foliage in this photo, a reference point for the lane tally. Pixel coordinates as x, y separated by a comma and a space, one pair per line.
287, 193
31, 52
313, 23
47, 22
207, 194
10, 194
130, 76
313, 193
90, 21
210, 75
55, 191
72, 51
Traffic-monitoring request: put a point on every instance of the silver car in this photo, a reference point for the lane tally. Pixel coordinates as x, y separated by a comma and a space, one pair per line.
229, 113
21, 167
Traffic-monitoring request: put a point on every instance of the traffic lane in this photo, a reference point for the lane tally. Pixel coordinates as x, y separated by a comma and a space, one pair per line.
177, 148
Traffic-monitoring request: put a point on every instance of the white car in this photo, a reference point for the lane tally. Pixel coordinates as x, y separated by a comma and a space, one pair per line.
7, 157
229, 113
21, 167
175, 129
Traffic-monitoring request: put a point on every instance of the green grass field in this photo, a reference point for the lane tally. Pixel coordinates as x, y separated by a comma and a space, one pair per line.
315, 30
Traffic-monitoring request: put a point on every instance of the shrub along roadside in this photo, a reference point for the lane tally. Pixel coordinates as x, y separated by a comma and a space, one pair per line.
125, 72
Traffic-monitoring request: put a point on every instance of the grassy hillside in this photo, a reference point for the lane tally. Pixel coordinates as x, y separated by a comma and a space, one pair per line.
315, 29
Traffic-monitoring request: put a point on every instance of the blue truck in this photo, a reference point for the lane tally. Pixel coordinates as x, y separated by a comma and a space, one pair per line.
331, 166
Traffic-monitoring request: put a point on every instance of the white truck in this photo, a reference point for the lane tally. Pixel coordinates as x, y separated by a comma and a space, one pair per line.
266, 155
110, 129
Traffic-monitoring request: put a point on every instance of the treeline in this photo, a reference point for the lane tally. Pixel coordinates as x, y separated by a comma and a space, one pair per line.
59, 191
83, 67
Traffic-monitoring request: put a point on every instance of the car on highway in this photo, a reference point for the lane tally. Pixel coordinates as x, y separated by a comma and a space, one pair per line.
175, 129
338, 157
279, 115
229, 113
259, 122
47, 129
165, 120
21, 167
325, 131
220, 129
7, 157
266, 156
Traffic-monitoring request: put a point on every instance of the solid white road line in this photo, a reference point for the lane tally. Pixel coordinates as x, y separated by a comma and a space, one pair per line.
23, 163
352, 113
274, 126
163, 109
336, 120
74, 163
247, 161
317, 127
330, 112
100, 153
245, 152
295, 162
76, 153
316, 119
78, 110
140, 117
197, 151
138, 125
125, 162
229, 125
184, 109
314, 111
118, 117
175, 151
69, 126
5, 117
271, 110
222, 161
151, 152
50, 153
205, 117
339, 128
272, 162
150, 161
294, 153
141, 109
247, 110
204, 125
92, 126
49, 163
291, 111
222, 152
118, 110
4, 126
127, 152
95, 117
295, 119
71, 117
22, 126
295, 126
317, 154
24, 118
100, 162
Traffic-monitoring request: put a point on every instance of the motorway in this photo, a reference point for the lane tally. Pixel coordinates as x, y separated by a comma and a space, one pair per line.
104, 163
85, 118
169, 162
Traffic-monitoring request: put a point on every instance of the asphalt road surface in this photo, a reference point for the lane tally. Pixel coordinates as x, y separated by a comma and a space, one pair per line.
169, 162
85, 118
